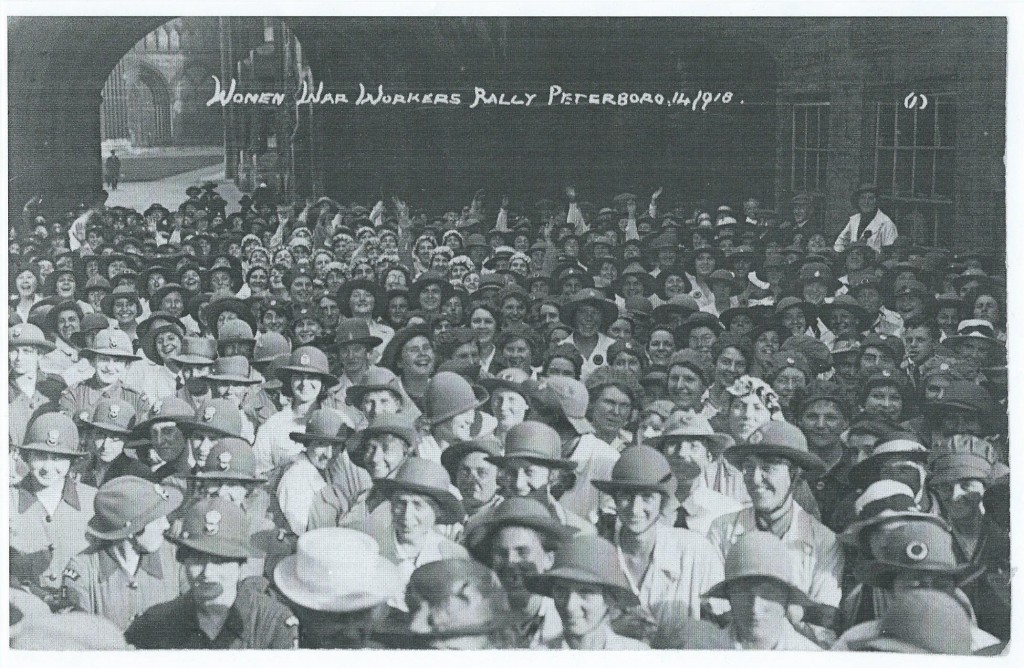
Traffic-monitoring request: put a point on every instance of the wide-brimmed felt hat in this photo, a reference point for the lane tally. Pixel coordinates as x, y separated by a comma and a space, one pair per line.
976, 330
424, 477
235, 331
808, 309
511, 379
636, 269
377, 379
112, 343
311, 360
229, 264
454, 453
121, 291
846, 303
114, 416
231, 459
569, 396
337, 570
588, 560
592, 297
233, 369
219, 417
681, 304
216, 527
429, 278
910, 545
147, 341
125, 505
324, 425
157, 297
640, 468
536, 443
393, 350
61, 307
449, 394
196, 351
399, 424
25, 335
778, 439
269, 346
171, 409
239, 307
356, 330
55, 433
690, 426
922, 621
519, 511
700, 319
757, 555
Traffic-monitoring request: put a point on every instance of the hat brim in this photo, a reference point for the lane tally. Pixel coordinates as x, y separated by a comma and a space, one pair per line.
452, 511
204, 476
368, 341
547, 526
609, 311
879, 573
108, 427
561, 464
852, 534
613, 487
52, 449
544, 583
811, 464
32, 343
193, 424
324, 599
719, 442
238, 380
995, 345
480, 396
168, 506
797, 596
306, 439
109, 352
865, 471
454, 453
285, 371
214, 545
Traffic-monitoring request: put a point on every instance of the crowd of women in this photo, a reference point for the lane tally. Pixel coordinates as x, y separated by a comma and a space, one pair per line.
610, 425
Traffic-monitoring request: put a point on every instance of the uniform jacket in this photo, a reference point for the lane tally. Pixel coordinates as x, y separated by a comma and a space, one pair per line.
817, 556
82, 398
104, 588
256, 621
21, 409
683, 566
63, 533
594, 461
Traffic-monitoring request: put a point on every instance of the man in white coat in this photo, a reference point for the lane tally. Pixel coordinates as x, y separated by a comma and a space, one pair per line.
869, 225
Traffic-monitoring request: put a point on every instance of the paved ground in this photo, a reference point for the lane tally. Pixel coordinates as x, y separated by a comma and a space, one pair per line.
170, 191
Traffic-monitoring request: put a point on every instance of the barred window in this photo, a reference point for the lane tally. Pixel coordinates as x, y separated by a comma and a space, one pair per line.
915, 153
809, 147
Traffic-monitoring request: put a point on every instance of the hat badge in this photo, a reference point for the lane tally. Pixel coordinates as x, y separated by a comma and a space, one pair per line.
224, 460
209, 413
943, 367
52, 437
213, 519
16, 332
917, 550
83, 416
114, 411
790, 360
157, 407
304, 360
756, 438
159, 489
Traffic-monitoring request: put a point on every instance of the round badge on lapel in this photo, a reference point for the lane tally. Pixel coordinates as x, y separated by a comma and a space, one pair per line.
209, 414
224, 461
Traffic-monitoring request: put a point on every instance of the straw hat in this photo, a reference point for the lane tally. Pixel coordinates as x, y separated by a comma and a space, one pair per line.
337, 570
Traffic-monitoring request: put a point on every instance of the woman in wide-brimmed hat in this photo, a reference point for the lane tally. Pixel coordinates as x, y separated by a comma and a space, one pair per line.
643, 487
410, 355
759, 571
364, 300
130, 521
124, 307
306, 380
587, 586
221, 308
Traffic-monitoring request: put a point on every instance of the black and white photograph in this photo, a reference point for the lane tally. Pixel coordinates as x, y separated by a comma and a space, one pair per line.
509, 332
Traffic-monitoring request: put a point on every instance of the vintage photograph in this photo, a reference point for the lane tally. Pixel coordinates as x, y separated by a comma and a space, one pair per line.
518, 333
